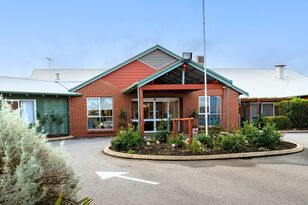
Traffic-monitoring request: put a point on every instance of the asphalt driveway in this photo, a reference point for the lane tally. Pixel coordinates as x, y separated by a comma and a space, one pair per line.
270, 180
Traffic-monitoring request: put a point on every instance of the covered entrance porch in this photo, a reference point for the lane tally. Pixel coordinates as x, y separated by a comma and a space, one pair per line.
175, 91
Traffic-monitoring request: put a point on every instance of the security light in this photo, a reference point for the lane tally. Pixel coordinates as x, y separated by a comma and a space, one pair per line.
187, 56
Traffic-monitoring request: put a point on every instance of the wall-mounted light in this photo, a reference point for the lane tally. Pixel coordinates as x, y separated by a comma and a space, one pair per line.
187, 56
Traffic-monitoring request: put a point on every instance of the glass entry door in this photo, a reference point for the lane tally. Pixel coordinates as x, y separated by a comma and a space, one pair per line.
155, 110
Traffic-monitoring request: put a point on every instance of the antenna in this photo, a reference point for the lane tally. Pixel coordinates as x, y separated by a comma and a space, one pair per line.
49, 61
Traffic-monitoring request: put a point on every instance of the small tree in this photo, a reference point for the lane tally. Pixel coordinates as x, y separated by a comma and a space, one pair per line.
31, 171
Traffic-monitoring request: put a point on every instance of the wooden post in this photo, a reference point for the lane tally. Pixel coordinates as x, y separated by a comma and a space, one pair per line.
189, 131
174, 128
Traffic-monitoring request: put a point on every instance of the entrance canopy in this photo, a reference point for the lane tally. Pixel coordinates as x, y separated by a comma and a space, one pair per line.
178, 76
181, 75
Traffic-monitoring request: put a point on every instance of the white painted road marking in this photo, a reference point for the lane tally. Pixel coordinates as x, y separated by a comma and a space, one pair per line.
106, 175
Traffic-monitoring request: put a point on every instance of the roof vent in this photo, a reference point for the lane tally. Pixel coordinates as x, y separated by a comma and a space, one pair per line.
199, 59
57, 76
280, 71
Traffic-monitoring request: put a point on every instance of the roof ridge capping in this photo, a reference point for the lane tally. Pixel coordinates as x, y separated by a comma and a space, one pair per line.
157, 46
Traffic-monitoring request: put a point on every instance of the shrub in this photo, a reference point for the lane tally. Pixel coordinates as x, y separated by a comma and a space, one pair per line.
162, 133
280, 122
127, 140
269, 137
31, 171
178, 140
296, 110
250, 131
196, 147
233, 142
205, 140
214, 131
131, 151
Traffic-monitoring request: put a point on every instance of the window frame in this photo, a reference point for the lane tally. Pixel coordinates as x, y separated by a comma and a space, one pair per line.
18, 100
100, 114
209, 109
268, 103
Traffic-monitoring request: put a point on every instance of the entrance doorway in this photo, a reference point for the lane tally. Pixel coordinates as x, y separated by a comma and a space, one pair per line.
155, 110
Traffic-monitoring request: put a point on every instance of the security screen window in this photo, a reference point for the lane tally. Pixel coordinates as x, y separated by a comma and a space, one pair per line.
99, 111
213, 108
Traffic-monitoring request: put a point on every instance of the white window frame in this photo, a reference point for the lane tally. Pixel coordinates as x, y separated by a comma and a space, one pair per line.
99, 111
209, 108
267, 103
154, 119
19, 104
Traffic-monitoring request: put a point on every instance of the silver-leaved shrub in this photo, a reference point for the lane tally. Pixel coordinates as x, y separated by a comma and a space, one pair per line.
31, 171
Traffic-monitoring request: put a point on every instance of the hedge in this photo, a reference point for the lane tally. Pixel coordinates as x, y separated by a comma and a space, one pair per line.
296, 110
280, 122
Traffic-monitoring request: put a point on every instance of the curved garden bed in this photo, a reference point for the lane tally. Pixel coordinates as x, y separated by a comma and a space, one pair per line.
249, 141
208, 156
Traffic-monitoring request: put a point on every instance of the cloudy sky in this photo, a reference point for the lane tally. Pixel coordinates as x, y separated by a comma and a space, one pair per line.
101, 33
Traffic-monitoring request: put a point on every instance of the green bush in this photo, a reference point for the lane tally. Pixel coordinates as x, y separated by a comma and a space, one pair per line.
296, 110
214, 131
205, 140
233, 142
131, 151
266, 137
280, 122
250, 131
269, 137
196, 147
31, 171
127, 140
178, 140
162, 133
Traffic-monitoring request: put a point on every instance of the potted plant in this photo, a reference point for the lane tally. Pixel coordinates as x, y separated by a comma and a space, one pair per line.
194, 114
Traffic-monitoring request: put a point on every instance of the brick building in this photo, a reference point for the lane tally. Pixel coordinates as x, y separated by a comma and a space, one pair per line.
150, 87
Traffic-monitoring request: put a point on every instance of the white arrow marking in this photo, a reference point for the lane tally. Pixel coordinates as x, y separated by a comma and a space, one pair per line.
106, 175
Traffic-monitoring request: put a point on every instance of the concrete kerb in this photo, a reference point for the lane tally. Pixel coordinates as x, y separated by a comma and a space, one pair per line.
60, 138
297, 149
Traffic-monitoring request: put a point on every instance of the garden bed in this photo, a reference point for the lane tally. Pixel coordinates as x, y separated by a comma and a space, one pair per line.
166, 149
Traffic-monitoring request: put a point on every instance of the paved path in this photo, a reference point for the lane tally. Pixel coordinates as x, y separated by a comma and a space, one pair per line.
271, 180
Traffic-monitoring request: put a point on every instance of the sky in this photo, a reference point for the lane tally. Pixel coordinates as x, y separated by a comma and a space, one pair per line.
102, 34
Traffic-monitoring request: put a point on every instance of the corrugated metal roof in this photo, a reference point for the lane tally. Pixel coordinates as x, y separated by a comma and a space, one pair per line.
30, 86
65, 74
262, 83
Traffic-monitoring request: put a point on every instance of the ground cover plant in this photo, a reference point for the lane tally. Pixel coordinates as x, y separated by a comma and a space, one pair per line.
31, 171
250, 137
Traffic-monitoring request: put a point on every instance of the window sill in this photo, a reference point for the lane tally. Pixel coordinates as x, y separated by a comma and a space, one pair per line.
100, 131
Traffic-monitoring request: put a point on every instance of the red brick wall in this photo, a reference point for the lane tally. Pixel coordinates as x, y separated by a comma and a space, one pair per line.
78, 108
101, 88
129, 74
190, 102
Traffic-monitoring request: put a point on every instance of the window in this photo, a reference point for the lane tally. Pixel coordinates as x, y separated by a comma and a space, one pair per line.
99, 111
254, 111
267, 109
27, 109
213, 108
